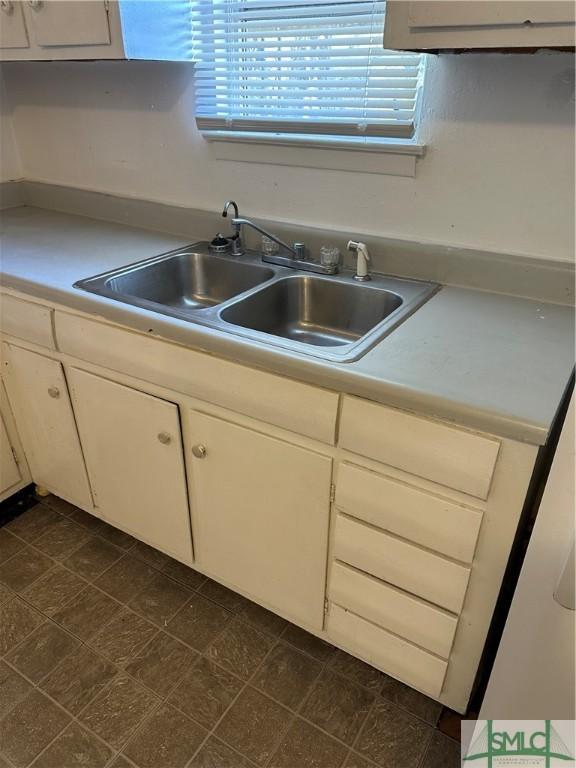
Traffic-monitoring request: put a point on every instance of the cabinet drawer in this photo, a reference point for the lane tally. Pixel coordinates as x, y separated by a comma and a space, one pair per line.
389, 653
277, 400
413, 619
27, 320
446, 455
428, 520
416, 570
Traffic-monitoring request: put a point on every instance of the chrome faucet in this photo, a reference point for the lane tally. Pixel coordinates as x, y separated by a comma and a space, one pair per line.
295, 255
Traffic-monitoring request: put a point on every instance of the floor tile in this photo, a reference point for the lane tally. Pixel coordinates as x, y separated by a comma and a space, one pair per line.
160, 599
9, 544
216, 754
86, 613
17, 620
198, 622
13, 688
121, 762
308, 643
450, 723
59, 505
240, 648
355, 761
34, 522
182, 573
124, 637
78, 679
287, 675
161, 664
254, 725
117, 537
90, 522
41, 651
126, 578
261, 618
442, 752
5, 594
225, 597
27, 565
307, 747
117, 711
357, 670
62, 539
167, 738
393, 737
73, 748
338, 705
413, 701
53, 590
152, 556
206, 692
30, 727
93, 558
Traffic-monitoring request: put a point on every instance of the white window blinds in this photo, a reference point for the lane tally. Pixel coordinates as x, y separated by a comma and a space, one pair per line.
301, 67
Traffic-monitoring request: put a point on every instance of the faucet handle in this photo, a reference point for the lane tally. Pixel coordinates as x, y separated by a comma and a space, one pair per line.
300, 251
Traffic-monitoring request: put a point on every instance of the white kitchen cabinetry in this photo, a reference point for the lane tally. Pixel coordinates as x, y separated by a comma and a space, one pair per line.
95, 29
133, 448
423, 25
260, 515
39, 398
10, 475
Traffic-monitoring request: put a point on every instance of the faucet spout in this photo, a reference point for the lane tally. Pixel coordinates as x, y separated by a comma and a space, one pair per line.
227, 205
237, 223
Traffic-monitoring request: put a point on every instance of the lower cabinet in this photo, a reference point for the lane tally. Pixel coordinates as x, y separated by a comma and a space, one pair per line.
9, 472
39, 397
260, 514
133, 448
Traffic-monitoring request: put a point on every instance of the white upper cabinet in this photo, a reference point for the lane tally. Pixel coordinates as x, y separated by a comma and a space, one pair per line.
465, 24
95, 29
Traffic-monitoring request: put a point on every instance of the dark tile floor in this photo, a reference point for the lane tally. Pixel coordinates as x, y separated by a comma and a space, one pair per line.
112, 654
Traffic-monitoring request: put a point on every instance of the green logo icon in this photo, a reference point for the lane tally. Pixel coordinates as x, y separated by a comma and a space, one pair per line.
542, 742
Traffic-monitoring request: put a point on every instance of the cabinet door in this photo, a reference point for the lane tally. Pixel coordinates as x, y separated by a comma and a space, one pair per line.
9, 472
133, 451
68, 22
260, 515
39, 398
12, 27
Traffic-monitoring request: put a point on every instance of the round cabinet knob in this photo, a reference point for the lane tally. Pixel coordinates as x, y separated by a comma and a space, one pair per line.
54, 392
199, 451
164, 438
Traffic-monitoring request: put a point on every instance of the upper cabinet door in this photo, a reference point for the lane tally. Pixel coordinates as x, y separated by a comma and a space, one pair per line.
68, 22
12, 27
39, 398
467, 24
260, 514
133, 451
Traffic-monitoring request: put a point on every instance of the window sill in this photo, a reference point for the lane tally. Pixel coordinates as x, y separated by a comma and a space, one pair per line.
393, 157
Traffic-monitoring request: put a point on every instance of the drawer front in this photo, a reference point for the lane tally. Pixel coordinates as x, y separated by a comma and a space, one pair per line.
428, 520
452, 457
288, 404
404, 615
27, 320
415, 570
389, 653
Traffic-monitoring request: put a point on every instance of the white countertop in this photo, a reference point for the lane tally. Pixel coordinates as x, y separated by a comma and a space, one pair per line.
488, 361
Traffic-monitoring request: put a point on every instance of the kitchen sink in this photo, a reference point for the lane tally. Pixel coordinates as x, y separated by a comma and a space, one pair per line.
312, 310
182, 281
332, 317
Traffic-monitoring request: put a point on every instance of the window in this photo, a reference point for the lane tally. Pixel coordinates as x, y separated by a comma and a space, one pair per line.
302, 68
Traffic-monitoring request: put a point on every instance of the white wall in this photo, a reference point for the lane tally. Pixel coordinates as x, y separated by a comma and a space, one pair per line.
10, 166
498, 174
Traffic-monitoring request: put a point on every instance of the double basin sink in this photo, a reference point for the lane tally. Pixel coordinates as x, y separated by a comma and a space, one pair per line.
334, 318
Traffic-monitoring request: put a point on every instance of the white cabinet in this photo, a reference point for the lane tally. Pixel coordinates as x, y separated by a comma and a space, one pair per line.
467, 24
9, 472
260, 514
95, 29
39, 398
133, 450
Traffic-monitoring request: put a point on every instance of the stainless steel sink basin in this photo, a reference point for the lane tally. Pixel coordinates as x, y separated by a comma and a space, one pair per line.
330, 317
310, 310
183, 280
